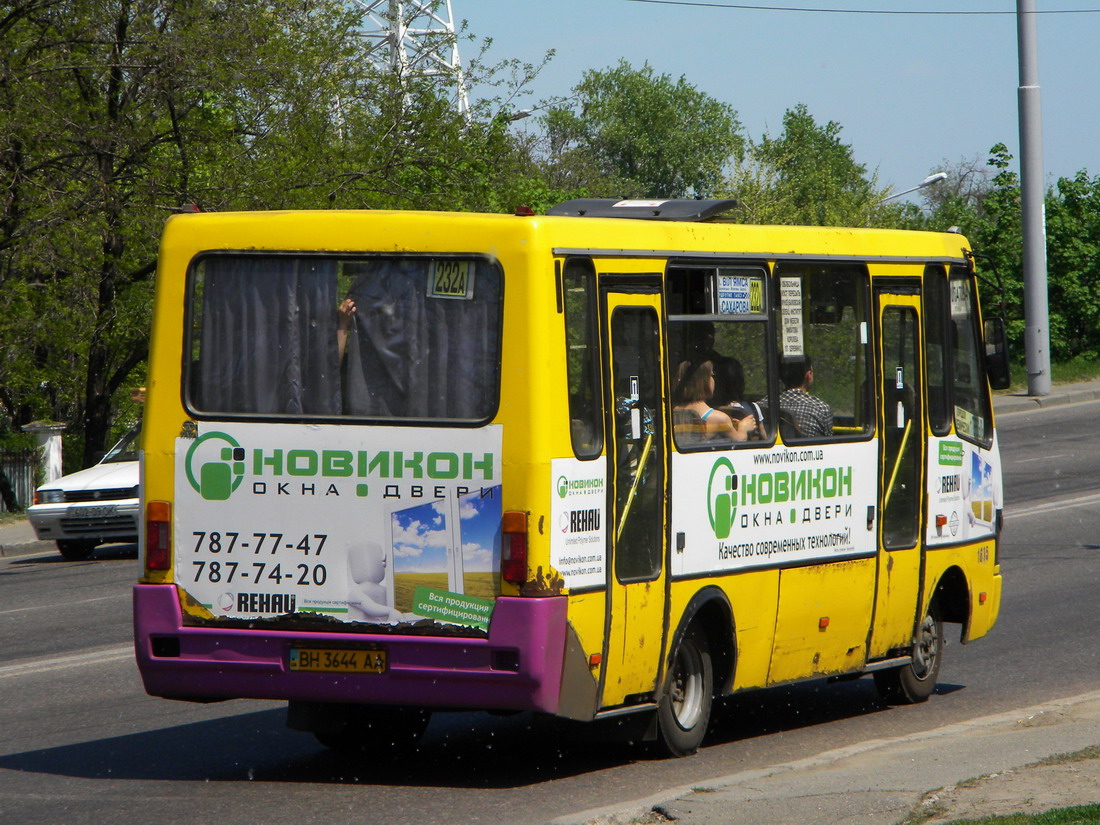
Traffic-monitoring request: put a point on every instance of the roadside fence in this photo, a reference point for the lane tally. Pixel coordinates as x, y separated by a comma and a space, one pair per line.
18, 478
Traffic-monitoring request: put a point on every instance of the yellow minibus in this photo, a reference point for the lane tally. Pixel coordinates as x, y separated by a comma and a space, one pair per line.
621, 459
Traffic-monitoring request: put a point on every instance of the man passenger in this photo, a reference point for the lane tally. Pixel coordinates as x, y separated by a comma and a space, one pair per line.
810, 415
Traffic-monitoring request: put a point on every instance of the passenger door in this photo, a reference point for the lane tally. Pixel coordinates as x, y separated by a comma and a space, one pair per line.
901, 488
636, 532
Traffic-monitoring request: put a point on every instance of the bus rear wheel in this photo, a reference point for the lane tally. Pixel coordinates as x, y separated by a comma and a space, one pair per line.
362, 729
916, 681
684, 710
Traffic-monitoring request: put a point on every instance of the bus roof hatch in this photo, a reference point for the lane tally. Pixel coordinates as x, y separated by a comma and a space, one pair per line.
651, 210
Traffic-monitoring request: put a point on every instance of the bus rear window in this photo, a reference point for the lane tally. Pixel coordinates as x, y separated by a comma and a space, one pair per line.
397, 337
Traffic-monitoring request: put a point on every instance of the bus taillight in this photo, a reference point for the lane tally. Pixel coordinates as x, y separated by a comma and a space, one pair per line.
513, 555
158, 535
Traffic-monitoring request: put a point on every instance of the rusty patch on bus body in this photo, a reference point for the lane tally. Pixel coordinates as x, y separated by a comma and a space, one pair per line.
550, 584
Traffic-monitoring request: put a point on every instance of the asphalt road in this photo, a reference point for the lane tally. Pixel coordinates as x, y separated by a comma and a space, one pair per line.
79, 739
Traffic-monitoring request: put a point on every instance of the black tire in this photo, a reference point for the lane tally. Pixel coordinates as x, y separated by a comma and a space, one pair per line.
684, 710
375, 730
76, 549
916, 681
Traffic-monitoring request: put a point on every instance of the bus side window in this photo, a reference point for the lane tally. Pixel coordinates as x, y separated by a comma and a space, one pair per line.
582, 356
936, 346
718, 331
824, 351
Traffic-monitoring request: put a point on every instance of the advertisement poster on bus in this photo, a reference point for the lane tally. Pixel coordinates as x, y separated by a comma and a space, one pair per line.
379, 524
741, 509
963, 496
577, 510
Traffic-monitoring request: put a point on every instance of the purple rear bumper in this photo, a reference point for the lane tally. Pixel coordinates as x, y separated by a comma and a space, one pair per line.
518, 667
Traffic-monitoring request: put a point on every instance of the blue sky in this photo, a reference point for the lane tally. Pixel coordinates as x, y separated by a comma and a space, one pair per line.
909, 90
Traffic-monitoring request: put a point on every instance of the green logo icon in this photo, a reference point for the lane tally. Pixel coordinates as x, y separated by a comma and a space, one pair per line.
563, 486
722, 497
220, 469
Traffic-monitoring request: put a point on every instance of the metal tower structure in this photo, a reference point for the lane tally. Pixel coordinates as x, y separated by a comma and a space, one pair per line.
415, 38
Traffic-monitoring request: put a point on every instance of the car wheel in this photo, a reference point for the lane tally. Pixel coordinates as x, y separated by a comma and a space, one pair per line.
76, 549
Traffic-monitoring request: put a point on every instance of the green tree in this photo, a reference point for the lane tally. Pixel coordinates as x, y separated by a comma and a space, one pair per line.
806, 175
633, 133
1073, 266
109, 122
985, 205
113, 115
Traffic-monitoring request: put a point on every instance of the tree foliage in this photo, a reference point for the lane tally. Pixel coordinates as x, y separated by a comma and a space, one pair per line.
633, 133
114, 114
805, 175
985, 206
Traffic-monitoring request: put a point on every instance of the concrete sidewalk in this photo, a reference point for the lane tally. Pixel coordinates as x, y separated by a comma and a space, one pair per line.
977, 768
1060, 395
17, 538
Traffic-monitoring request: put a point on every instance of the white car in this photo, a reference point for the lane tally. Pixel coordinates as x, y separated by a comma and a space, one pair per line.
95, 506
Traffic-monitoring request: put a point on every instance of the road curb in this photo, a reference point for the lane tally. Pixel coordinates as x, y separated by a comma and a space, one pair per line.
1003, 404
25, 548
678, 800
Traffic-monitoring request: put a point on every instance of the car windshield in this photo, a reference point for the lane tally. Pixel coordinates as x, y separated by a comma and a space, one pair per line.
126, 448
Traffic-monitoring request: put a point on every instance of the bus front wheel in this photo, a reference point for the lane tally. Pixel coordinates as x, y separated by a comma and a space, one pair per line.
684, 710
916, 681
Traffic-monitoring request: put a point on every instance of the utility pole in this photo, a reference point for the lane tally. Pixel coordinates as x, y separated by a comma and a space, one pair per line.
1032, 206
415, 38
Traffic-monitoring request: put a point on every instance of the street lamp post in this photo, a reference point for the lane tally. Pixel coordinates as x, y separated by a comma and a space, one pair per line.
935, 177
1032, 193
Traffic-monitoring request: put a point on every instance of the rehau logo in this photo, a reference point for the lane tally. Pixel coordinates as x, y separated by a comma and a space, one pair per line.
580, 521
265, 602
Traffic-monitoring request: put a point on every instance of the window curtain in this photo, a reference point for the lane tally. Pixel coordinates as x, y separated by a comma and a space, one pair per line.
412, 355
268, 337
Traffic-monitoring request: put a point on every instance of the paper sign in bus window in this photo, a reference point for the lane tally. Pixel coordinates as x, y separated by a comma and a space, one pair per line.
740, 295
451, 279
790, 294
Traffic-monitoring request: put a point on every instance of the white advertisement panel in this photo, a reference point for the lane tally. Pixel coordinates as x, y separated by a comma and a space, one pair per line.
373, 524
963, 496
790, 505
578, 524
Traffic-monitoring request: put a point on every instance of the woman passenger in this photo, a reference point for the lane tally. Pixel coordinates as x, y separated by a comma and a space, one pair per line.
692, 415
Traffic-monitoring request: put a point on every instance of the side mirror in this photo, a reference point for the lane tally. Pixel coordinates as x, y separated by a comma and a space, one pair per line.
996, 354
